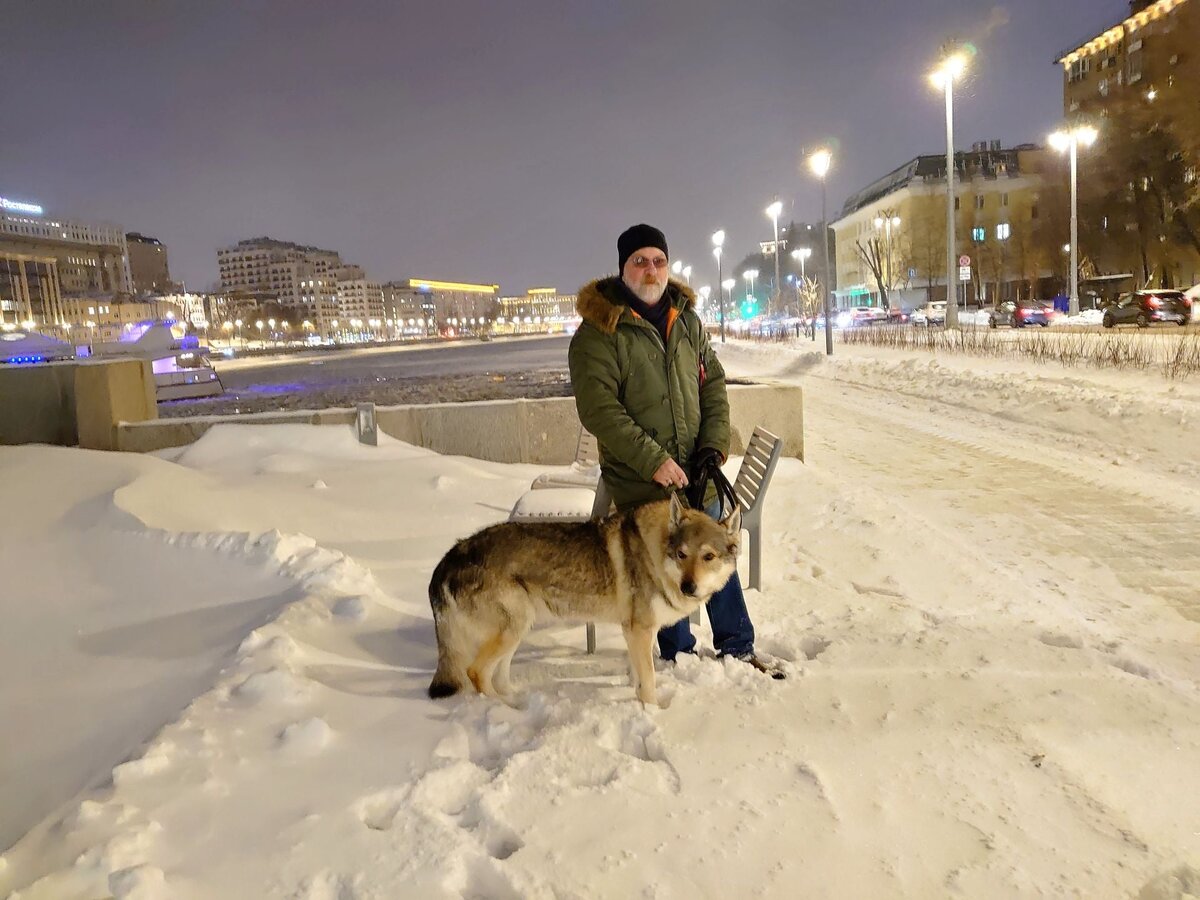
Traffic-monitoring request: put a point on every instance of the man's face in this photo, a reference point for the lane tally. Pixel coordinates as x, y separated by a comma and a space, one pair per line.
645, 273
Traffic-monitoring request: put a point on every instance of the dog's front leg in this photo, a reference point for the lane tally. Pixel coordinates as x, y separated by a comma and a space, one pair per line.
640, 641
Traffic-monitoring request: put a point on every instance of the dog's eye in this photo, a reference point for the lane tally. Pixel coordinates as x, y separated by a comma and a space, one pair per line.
709, 557
681, 554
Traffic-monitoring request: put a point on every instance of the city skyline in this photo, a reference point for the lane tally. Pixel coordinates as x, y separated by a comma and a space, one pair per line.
396, 139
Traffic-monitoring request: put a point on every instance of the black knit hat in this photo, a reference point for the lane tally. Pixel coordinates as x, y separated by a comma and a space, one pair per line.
634, 239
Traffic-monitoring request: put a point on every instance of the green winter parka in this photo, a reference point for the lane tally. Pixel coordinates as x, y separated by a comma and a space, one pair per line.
645, 402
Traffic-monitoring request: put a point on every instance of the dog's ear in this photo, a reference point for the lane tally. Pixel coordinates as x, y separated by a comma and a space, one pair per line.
676, 510
733, 521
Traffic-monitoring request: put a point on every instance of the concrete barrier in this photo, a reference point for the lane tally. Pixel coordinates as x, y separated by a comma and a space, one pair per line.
37, 404
543, 432
74, 402
109, 392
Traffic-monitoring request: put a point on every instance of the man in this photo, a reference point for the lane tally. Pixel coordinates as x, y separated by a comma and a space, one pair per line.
650, 388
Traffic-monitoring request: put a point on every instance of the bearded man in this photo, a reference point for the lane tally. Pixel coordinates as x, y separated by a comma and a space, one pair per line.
649, 386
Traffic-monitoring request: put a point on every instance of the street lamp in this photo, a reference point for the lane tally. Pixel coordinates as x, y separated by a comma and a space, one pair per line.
750, 275
728, 284
687, 275
718, 240
773, 212
952, 66
1070, 140
819, 163
801, 254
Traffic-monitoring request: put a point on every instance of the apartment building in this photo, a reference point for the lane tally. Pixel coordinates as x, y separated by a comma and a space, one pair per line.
300, 278
1146, 58
1135, 79
148, 264
1001, 222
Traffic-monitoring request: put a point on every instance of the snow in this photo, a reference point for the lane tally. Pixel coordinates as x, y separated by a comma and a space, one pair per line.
982, 580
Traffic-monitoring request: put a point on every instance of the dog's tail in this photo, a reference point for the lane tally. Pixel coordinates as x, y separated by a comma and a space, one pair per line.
447, 680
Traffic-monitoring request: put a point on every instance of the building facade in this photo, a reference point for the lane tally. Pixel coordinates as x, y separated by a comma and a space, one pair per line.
1002, 224
148, 267
302, 279
538, 306
44, 258
456, 303
1136, 82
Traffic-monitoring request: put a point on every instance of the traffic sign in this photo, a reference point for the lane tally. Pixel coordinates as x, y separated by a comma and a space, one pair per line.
964, 260
964, 273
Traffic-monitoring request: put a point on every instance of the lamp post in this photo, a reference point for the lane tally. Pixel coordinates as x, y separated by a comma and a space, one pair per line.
687, 275
952, 66
802, 254
819, 163
718, 240
728, 284
1070, 140
750, 275
773, 212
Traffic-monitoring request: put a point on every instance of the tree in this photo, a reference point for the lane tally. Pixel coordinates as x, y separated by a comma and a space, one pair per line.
927, 240
874, 257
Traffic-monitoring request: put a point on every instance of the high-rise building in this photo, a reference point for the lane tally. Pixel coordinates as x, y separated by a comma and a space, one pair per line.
1136, 82
358, 297
298, 277
44, 258
148, 264
1148, 57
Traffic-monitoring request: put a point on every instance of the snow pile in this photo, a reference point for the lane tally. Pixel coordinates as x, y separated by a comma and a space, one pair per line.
989, 695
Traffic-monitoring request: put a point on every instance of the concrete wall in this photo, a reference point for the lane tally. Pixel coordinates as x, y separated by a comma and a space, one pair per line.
77, 402
542, 432
37, 404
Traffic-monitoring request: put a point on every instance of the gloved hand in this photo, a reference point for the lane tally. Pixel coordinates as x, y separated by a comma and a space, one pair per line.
702, 459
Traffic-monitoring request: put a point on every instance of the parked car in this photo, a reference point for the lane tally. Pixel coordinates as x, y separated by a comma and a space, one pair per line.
1141, 308
860, 315
1019, 313
917, 316
935, 312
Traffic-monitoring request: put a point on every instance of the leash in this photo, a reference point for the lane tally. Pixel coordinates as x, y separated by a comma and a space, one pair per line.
698, 487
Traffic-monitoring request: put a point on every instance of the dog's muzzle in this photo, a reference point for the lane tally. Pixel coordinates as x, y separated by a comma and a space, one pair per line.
688, 587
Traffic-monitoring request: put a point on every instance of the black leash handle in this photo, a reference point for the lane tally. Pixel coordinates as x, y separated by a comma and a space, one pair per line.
698, 487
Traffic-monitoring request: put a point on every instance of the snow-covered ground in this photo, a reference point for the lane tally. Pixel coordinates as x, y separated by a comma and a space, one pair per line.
984, 578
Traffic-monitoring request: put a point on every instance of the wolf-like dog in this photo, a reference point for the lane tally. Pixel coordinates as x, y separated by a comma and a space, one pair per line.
641, 569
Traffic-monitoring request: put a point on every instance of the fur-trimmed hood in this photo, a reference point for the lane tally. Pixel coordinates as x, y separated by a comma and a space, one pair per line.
599, 302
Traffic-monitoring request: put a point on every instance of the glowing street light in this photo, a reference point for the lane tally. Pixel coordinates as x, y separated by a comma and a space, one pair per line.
952, 66
801, 254
750, 275
773, 212
1070, 141
818, 164
718, 240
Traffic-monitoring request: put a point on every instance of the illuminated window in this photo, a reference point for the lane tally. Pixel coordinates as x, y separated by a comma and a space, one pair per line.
978, 235
1003, 231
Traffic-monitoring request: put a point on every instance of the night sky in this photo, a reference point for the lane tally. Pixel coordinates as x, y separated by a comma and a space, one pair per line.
496, 141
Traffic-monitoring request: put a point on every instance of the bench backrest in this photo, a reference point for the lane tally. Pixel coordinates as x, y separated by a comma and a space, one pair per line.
757, 467
587, 451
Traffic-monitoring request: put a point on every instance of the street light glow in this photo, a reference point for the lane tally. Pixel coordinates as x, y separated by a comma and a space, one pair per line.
729, 284
718, 239
952, 68
819, 162
774, 210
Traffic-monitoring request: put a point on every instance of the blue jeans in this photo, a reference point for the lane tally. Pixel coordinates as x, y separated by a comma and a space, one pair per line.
733, 633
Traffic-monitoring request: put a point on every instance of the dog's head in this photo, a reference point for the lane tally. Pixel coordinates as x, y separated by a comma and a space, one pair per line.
701, 552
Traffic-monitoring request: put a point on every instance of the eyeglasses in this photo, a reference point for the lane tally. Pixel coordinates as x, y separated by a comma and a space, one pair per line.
645, 262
